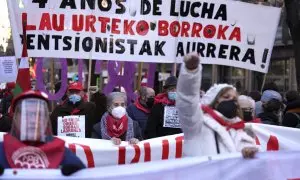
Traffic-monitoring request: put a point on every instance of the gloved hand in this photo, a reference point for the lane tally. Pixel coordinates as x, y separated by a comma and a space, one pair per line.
69, 169
1, 170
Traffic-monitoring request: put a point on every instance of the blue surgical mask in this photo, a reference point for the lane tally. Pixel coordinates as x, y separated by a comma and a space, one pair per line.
172, 96
74, 98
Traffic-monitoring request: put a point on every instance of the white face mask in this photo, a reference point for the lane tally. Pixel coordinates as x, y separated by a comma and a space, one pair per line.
118, 112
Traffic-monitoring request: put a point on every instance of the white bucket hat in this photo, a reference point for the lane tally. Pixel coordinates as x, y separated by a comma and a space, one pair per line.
213, 91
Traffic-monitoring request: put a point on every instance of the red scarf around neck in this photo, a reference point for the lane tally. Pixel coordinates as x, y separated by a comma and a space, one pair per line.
256, 120
116, 127
141, 107
44, 156
213, 114
163, 99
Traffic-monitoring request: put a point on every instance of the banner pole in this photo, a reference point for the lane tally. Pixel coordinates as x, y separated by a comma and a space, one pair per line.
89, 80
52, 82
263, 84
121, 72
140, 69
174, 69
100, 81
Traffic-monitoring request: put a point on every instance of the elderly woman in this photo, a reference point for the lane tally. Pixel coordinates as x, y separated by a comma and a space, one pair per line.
115, 124
212, 127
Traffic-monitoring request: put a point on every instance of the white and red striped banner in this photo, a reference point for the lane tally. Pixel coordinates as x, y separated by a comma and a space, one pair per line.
96, 152
269, 165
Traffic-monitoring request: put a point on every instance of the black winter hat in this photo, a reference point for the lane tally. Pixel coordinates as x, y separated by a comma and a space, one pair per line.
171, 81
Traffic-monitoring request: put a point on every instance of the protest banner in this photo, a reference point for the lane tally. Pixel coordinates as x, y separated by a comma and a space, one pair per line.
148, 30
8, 69
270, 165
98, 153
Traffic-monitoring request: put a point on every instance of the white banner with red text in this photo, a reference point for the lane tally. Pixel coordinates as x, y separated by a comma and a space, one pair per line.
97, 153
283, 165
161, 31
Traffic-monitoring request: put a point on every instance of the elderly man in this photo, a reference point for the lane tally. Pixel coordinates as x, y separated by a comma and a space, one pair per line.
140, 109
75, 117
163, 119
30, 144
115, 124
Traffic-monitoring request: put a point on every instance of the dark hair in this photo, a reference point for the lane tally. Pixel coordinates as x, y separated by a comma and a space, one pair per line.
270, 86
274, 105
292, 95
255, 95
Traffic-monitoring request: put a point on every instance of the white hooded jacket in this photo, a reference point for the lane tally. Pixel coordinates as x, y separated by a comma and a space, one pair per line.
203, 135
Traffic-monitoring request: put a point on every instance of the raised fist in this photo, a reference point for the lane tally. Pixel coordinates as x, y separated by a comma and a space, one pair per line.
192, 61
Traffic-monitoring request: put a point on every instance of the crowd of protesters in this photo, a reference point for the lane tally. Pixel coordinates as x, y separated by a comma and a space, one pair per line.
148, 110
213, 122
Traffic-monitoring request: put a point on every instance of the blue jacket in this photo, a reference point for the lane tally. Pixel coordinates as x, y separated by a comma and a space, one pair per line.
137, 115
69, 159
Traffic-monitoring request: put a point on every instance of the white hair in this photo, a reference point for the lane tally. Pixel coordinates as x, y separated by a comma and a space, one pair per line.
114, 95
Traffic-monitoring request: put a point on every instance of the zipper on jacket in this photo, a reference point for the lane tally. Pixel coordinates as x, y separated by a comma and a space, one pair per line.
217, 144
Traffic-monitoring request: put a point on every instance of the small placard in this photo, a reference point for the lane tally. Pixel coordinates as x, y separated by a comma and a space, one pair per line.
8, 69
171, 119
72, 126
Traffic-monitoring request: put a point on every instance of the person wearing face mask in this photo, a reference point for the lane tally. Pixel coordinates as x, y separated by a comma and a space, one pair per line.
247, 106
272, 112
30, 143
115, 124
140, 109
76, 107
211, 126
163, 119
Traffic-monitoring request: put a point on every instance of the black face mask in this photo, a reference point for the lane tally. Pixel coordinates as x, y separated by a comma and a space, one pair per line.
247, 116
150, 102
228, 108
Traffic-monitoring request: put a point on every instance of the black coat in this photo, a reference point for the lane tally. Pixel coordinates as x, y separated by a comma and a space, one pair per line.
85, 108
5, 123
136, 128
5, 103
293, 106
155, 123
269, 118
101, 104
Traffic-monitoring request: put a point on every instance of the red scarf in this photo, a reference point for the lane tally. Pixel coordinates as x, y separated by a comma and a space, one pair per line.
44, 156
213, 114
163, 99
256, 120
116, 127
75, 111
141, 107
